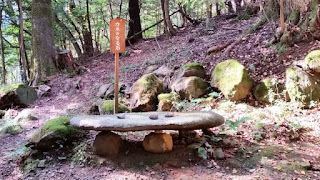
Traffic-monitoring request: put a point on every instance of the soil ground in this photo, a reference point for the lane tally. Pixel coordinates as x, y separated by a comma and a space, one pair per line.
252, 150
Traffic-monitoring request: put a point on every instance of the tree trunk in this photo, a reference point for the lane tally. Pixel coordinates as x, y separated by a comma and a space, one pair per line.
43, 49
2, 49
218, 11
134, 22
23, 59
67, 62
208, 14
169, 30
87, 34
69, 34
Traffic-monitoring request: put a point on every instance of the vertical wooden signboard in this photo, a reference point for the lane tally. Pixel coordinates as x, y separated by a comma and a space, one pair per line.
117, 45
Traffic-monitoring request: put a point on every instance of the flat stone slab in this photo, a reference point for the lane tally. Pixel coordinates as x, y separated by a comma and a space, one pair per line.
141, 121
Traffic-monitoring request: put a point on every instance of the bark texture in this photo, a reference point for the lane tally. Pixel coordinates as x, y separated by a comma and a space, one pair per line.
134, 23
44, 55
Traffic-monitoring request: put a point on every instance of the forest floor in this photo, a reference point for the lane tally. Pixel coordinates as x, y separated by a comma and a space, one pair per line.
277, 142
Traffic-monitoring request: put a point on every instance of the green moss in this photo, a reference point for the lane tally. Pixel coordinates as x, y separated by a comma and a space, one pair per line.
230, 76
148, 80
280, 47
9, 126
294, 17
168, 97
268, 90
195, 64
313, 56
10, 88
61, 124
108, 107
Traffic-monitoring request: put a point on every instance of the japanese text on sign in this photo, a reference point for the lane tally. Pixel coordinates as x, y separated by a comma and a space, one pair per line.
117, 35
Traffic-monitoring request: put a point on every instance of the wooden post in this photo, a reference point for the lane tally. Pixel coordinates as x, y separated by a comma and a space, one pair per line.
116, 83
117, 45
282, 24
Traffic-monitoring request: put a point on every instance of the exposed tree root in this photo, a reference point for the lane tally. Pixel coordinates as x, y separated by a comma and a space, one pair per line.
218, 48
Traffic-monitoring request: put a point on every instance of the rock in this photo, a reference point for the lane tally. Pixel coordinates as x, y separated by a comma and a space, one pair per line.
121, 116
268, 90
143, 95
16, 95
169, 114
167, 100
102, 107
313, 60
26, 115
218, 154
107, 144
301, 86
107, 107
53, 133
163, 71
11, 114
158, 143
190, 87
191, 69
153, 116
2, 113
150, 69
103, 89
42, 163
9, 126
43, 90
232, 79
141, 121
106, 91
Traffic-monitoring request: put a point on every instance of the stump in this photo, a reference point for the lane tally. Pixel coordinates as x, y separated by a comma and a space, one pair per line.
67, 62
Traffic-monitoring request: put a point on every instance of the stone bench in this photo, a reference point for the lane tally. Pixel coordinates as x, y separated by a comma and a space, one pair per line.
108, 143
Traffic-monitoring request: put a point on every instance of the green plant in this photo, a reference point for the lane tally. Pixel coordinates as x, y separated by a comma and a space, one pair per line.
233, 125
204, 149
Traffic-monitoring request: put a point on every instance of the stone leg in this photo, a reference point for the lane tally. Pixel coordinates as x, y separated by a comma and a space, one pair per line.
107, 143
158, 143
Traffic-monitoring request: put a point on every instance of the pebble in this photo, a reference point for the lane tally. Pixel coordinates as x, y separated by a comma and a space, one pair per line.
169, 114
121, 116
153, 116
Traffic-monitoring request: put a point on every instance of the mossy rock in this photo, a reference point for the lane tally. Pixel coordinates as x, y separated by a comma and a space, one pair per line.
232, 79
54, 133
190, 87
191, 69
144, 92
9, 126
167, 100
268, 90
301, 86
313, 60
107, 107
294, 17
16, 95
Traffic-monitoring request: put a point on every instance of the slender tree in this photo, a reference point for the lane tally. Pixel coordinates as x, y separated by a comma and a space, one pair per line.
2, 47
43, 50
168, 27
23, 60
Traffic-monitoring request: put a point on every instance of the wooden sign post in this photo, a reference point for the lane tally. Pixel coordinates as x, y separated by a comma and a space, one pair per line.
117, 45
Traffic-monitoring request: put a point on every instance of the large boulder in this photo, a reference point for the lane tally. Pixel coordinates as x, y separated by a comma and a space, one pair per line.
26, 115
143, 93
163, 71
16, 95
191, 69
232, 79
158, 143
190, 87
268, 90
107, 143
167, 100
54, 133
102, 107
301, 86
313, 61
